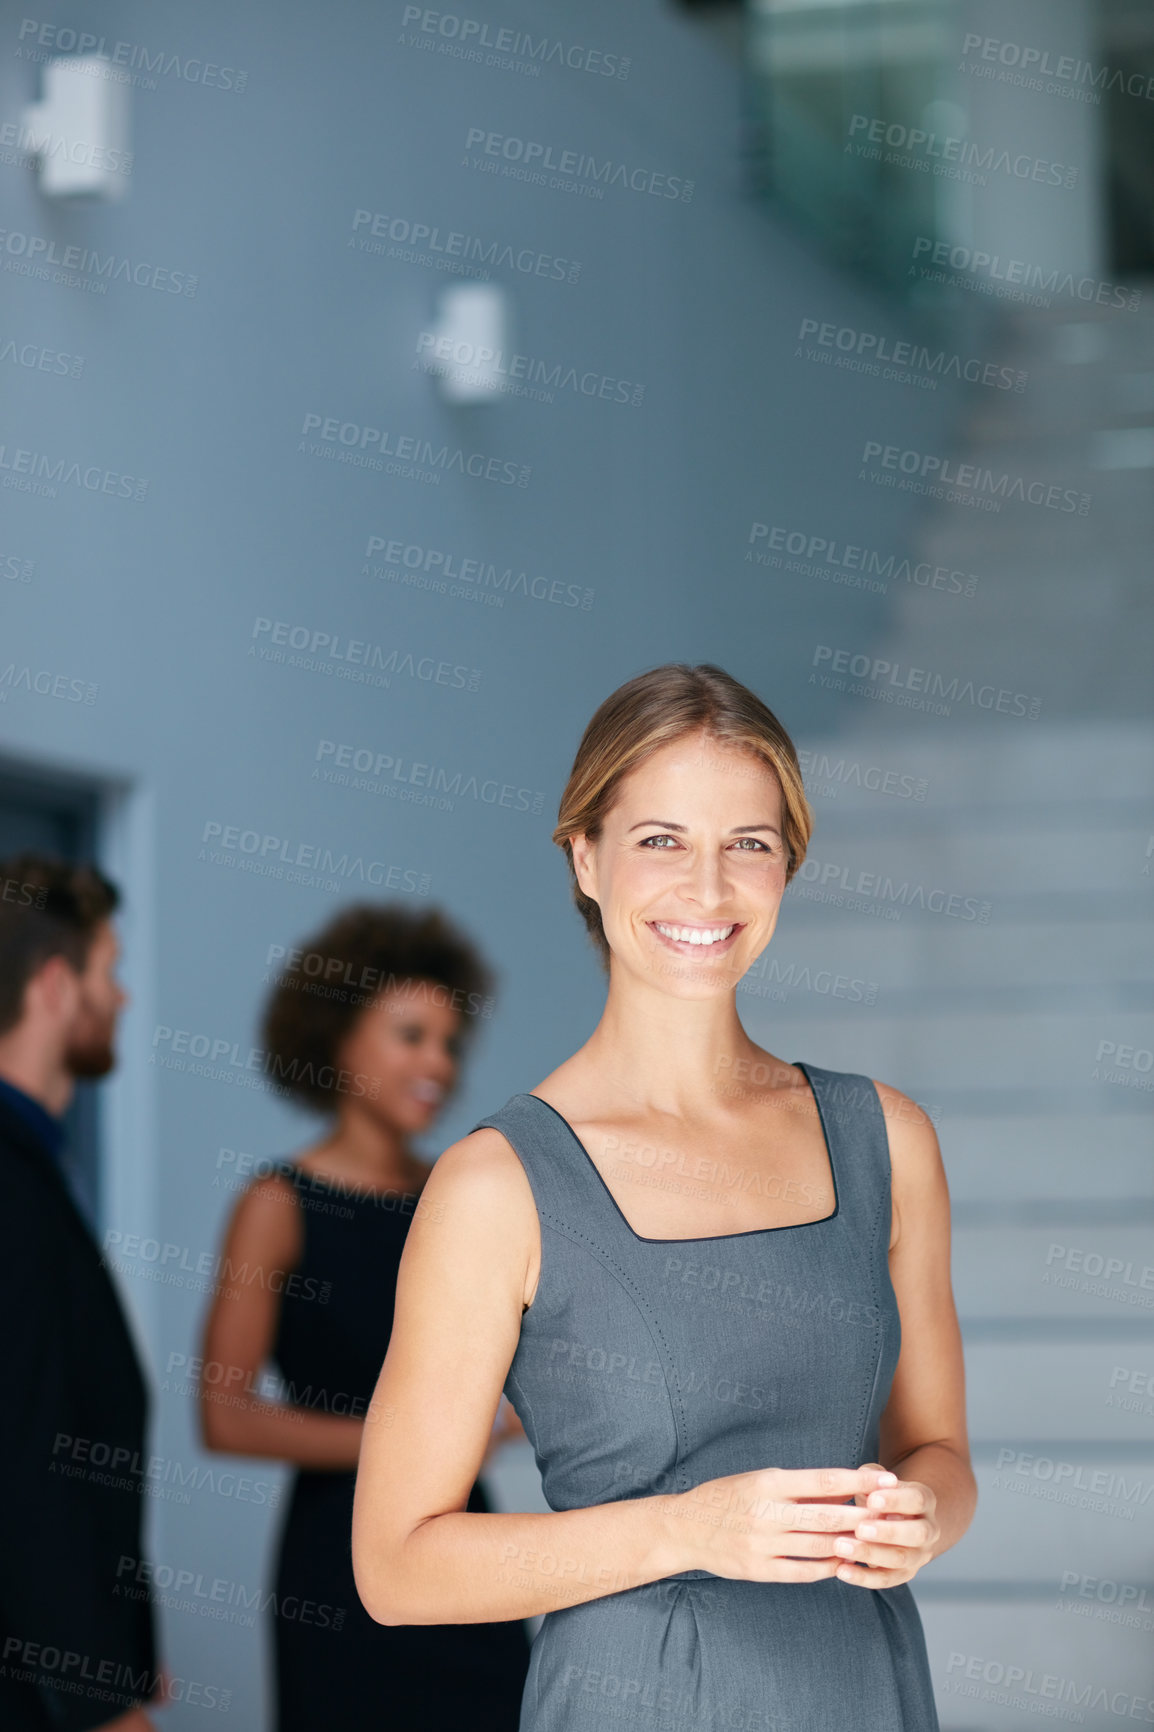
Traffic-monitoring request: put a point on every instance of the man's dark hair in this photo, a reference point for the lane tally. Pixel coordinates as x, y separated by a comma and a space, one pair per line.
48, 907
363, 953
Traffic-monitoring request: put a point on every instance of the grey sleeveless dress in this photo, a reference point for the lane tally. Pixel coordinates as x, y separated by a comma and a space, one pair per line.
652, 1365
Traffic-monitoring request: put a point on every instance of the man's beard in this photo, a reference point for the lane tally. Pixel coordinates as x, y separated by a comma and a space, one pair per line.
93, 1057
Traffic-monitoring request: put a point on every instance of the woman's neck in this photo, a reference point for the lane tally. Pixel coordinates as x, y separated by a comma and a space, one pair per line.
368, 1147
674, 1055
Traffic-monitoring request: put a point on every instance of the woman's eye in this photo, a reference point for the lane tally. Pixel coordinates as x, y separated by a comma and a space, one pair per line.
748, 844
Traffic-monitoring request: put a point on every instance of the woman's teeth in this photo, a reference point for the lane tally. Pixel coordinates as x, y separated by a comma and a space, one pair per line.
695, 934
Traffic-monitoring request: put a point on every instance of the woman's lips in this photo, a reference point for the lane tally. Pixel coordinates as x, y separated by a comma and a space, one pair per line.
428, 1094
687, 947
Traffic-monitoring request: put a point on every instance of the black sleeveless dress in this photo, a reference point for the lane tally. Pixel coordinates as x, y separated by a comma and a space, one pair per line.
334, 1665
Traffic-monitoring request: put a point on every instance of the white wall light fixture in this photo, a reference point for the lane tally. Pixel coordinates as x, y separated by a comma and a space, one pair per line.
78, 130
466, 347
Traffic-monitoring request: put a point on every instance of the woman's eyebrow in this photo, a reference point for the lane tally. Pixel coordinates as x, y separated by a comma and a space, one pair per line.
667, 824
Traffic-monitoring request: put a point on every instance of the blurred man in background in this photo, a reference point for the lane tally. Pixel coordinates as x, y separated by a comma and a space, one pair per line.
74, 1652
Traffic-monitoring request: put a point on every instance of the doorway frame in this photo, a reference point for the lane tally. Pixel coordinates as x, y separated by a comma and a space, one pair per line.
124, 847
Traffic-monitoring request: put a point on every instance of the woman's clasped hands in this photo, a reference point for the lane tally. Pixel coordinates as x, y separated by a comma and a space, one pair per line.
800, 1525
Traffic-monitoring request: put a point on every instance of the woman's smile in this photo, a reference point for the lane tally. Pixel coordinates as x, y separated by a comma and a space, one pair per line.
689, 938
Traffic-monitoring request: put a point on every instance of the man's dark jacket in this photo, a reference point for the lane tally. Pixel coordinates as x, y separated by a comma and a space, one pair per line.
76, 1628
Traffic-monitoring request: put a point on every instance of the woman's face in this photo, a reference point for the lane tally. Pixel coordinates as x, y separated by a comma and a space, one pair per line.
407, 1042
691, 851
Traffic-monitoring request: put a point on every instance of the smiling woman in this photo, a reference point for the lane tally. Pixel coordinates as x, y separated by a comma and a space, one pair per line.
655, 710
745, 1395
366, 1025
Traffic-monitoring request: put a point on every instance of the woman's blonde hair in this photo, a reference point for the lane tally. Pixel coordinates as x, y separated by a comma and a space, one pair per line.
650, 711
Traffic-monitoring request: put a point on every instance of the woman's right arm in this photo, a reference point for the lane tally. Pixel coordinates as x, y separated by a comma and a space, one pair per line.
419, 1555
262, 1248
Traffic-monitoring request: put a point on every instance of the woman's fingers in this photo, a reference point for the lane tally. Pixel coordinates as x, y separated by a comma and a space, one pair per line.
895, 1531
906, 1498
802, 1545
837, 1492
803, 1570
825, 1518
878, 1555
892, 1547
787, 1522
860, 1577
816, 1482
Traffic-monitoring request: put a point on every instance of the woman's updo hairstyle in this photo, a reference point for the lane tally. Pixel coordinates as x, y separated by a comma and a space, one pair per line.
650, 711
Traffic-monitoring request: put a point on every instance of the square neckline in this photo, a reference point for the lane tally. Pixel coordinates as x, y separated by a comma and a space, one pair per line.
711, 1238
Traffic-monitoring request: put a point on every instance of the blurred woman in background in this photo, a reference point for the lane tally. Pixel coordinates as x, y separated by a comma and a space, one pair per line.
366, 1025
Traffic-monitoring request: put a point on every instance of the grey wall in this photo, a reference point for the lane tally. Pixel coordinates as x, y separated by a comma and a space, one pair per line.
152, 601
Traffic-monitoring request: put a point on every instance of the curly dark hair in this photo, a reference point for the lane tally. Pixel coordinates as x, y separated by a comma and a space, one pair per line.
48, 907
364, 952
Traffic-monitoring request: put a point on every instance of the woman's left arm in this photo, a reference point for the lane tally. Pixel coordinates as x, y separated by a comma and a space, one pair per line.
923, 1436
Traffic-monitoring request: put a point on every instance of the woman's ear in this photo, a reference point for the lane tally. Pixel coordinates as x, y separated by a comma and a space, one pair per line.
584, 865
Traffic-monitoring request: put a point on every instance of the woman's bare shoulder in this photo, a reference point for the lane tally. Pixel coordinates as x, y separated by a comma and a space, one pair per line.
266, 1221
481, 1169
915, 1156
480, 1210
903, 1114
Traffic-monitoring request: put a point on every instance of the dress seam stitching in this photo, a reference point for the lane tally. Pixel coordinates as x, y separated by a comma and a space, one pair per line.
609, 1262
563, 1228
883, 1192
